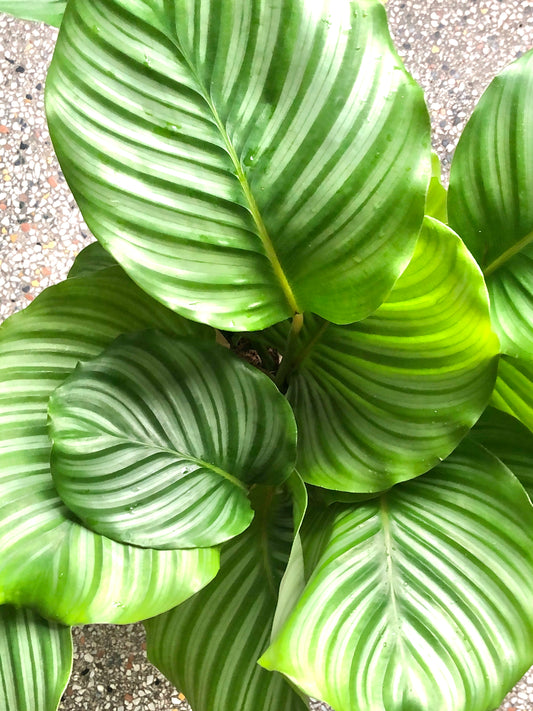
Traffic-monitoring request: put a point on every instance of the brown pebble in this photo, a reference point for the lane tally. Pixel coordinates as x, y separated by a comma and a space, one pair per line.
25, 227
3, 129
46, 271
52, 182
128, 697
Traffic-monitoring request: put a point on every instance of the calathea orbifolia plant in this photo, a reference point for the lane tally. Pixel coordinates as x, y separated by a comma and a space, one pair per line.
257, 174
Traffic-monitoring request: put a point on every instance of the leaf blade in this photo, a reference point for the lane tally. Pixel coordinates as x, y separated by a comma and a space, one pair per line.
438, 615
234, 190
49, 561
157, 441
35, 661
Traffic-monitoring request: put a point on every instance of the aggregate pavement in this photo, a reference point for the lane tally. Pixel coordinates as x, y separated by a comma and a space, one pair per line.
452, 47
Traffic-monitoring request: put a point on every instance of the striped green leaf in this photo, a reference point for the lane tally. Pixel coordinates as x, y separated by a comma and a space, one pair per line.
383, 400
490, 204
513, 392
35, 661
510, 441
243, 161
157, 441
420, 599
208, 646
49, 11
49, 560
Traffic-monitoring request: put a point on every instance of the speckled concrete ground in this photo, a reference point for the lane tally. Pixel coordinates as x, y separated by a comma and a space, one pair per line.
452, 47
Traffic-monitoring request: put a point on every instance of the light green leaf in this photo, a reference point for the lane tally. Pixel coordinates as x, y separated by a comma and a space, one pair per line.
513, 392
208, 646
490, 204
49, 11
35, 661
436, 199
91, 259
243, 160
157, 441
419, 600
49, 560
510, 441
384, 399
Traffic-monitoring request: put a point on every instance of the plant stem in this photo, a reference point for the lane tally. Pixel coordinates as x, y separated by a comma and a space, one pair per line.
290, 353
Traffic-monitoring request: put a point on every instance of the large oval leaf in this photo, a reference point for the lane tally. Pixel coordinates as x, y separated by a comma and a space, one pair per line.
383, 400
243, 160
157, 441
489, 202
49, 11
35, 661
510, 441
49, 560
420, 599
208, 646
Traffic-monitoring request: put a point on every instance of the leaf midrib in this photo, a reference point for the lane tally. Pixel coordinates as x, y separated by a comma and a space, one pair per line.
185, 455
508, 254
391, 574
245, 185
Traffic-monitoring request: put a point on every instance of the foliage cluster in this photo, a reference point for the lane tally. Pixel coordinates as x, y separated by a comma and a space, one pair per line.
282, 411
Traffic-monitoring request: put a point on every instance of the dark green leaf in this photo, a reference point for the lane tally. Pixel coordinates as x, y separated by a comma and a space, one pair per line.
208, 646
510, 441
49, 560
35, 661
91, 259
157, 441
420, 599
243, 160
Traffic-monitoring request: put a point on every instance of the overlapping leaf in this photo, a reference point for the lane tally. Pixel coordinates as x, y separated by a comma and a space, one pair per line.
49, 560
49, 11
382, 400
209, 646
437, 197
510, 441
157, 441
91, 259
35, 661
243, 160
490, 204
420, 599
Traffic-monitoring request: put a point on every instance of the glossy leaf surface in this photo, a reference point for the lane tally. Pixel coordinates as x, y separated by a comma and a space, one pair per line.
208, 646
382, 400
420, 599
35, 661
49, 11
489, 201
157, 441
510, 441
49, 560
243, 160
513, 392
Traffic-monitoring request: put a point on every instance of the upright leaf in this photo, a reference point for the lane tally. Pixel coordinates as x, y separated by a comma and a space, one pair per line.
489, 201
91, 259
420, 599
49, 11
437, 197
157, 441
49, 560
209, 645
35, 661
243, 160
384, 399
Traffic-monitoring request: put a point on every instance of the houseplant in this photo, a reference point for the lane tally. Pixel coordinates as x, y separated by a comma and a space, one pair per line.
388, 362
